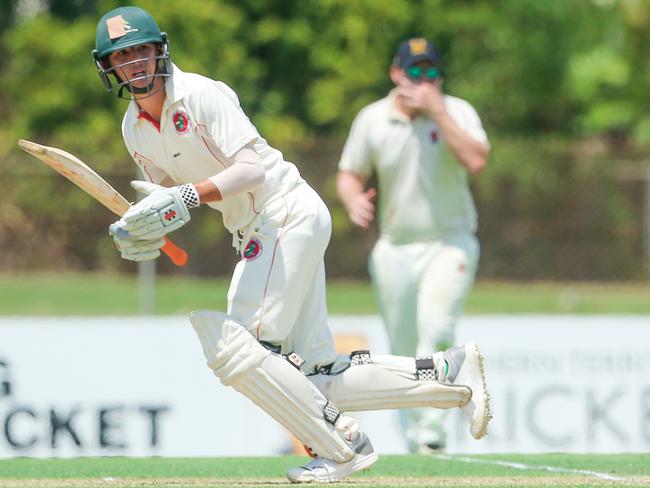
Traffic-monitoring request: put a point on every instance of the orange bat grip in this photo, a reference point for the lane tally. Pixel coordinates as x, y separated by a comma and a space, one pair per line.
177, 255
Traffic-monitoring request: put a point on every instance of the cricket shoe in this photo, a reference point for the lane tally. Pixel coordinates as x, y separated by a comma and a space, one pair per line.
321, 470
465, 367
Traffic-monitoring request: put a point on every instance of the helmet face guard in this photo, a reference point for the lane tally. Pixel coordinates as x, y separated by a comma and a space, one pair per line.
125, 88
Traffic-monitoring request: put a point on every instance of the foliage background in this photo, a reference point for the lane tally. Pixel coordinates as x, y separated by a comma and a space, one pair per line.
561, 86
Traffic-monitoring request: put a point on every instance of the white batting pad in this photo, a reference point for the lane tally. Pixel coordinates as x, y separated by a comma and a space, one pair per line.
388, 382
273, 384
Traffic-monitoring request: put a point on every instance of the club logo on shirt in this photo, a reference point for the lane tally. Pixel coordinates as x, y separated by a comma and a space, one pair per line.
434, 136
181, 122
253, 250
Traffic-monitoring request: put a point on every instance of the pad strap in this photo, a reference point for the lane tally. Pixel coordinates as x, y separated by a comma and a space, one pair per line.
358, 358
382, 381
331, 413
294, 359
425, 369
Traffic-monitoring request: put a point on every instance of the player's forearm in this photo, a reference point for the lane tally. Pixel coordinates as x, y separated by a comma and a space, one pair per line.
358, 203
245, 174
208, 191
229, 183
349, 186
469, 152
238, 178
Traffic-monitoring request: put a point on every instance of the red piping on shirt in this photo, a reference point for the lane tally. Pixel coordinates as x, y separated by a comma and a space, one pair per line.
250, 195
145, 115
137, 157
255, 211
213, 154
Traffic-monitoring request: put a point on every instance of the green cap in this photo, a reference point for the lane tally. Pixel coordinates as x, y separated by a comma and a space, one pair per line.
125, 27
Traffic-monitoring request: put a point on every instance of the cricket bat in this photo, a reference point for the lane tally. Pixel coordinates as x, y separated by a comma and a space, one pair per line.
85, 178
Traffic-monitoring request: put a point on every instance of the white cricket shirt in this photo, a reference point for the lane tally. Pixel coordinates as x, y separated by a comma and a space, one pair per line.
423, 190
201, 125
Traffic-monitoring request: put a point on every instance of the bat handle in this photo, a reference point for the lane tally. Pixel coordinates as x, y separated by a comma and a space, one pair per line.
177, 255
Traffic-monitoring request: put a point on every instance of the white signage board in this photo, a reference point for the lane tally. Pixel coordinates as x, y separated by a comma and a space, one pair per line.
135, 386
139, 386
562, 383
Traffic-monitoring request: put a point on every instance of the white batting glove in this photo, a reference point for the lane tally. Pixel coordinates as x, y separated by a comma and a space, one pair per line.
132, 248
162, 211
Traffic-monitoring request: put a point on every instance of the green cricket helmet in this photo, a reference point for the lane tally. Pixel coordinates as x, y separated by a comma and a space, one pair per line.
126, 27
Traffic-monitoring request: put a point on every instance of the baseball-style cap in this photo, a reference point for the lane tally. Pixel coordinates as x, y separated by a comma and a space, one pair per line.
415, 50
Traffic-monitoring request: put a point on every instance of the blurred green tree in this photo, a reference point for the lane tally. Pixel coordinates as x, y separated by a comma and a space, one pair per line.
561, 87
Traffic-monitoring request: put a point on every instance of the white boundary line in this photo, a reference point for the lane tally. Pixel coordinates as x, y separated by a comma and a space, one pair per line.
525, 467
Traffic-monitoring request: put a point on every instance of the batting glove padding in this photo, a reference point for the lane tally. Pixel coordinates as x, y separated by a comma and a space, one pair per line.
162, 211
132, 248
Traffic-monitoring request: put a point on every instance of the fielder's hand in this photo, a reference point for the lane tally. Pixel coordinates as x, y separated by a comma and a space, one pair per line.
361, 208
162, 211
132, 248
425, 97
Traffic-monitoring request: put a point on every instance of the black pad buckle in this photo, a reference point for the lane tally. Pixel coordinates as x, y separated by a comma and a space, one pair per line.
359, 358
325, 369
271, 347
294, 359
425, 369
331, 413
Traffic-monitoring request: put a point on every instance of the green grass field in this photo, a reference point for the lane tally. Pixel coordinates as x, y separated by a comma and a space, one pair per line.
110, 294
558, 470
102, 294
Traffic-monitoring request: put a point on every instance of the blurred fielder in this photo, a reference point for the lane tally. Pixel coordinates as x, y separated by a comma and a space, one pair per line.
196, 146
421, 144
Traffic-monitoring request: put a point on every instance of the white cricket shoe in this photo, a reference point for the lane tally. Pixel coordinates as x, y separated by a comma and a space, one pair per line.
466, 368
321, 470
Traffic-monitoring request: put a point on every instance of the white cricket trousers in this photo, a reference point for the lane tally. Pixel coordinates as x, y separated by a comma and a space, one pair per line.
278, 293
421, 289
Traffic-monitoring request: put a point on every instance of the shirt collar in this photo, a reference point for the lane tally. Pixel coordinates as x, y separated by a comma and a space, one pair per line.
174, 90
174, 86
393, 113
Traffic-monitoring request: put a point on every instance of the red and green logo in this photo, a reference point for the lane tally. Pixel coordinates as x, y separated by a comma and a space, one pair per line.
181, 122
253, 250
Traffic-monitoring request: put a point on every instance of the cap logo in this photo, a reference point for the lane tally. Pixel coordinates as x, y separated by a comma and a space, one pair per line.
418, 46
118, 26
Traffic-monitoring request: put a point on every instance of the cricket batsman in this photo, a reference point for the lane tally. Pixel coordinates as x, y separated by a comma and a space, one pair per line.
195, 146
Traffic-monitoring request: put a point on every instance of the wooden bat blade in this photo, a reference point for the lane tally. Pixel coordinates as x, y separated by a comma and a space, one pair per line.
89, 181
79, 173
